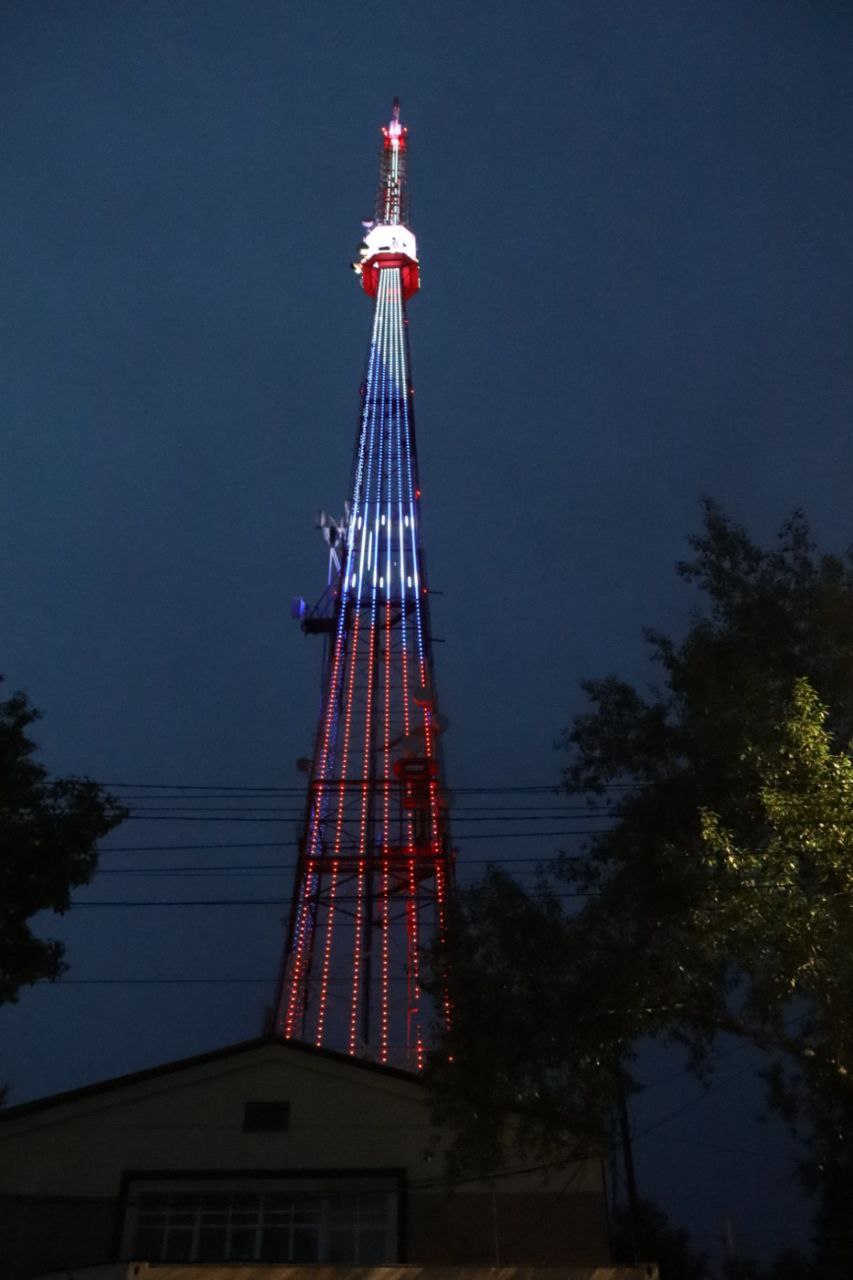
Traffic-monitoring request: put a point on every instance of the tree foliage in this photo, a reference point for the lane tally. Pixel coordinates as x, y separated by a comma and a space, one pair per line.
49, 829
780, 914
719, 899
653, 1236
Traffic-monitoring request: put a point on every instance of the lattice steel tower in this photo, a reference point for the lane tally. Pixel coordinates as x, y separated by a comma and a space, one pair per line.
375, 869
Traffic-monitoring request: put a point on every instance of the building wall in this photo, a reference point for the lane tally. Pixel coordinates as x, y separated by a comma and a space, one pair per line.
539, 1229
40, 1235
62, 1168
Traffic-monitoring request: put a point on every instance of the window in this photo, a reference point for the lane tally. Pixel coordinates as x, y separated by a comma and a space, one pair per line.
266, 1117
226, 1221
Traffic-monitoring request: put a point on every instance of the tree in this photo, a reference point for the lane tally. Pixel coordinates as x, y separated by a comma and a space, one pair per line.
49, 829
784, 920
718, 898
783, 907
657, 1239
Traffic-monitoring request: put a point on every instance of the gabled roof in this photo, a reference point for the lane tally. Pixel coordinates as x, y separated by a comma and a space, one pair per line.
201, 1059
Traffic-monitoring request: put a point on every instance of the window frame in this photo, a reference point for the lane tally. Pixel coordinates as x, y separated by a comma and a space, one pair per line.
135, 1182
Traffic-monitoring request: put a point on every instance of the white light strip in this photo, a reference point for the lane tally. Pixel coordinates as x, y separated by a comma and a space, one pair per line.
387, 517
400, 334
400, 517
359, 472
370, 392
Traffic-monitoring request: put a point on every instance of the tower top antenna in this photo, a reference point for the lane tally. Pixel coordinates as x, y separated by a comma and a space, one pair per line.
388, 240
392, 195
394, 133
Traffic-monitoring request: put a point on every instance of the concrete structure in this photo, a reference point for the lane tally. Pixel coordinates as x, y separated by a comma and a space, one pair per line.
274, 1152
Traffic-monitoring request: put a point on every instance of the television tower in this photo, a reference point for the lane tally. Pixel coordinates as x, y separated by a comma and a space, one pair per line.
374, 875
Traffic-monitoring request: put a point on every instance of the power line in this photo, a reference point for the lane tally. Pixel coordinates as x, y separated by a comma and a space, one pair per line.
775, 1156
169, 982
239, 868
159, 801
548, 894
250, 815
293, 844
249, 902
553, 788
57, 983
147, 817
224, 790
694, 1101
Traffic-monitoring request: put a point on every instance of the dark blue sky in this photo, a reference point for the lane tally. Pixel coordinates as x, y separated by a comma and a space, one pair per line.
633, 222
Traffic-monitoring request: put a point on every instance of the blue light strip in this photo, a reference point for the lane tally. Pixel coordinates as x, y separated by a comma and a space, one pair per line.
361, 519
388, 499
384, 285
352, 532
404, 399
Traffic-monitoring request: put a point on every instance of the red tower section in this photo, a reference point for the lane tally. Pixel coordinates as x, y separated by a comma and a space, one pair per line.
375, 866
388, 257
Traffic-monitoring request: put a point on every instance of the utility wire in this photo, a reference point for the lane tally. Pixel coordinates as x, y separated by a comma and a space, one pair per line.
292, 844
552, 788
246, 902
473, 835
241, 868
467, 813
248, 805
546, 895
138, 817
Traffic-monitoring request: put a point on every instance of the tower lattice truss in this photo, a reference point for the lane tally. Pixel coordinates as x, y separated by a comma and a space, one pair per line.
375, 869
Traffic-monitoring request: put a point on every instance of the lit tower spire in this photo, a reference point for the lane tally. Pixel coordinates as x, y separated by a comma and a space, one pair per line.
375, 866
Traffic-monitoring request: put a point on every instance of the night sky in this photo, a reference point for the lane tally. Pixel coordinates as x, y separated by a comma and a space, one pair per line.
633, 224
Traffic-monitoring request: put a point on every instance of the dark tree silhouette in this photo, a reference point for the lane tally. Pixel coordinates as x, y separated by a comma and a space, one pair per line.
718, 900
653, 1237
49, 829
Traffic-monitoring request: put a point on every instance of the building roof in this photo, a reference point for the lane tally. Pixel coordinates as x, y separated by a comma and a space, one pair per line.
202, 1059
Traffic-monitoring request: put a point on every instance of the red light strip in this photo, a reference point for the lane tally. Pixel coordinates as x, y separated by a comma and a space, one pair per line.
356, 959
414, 1029
299, 950
353, 660
330, 918
442, 928
386, 842
437, 849
386, 943
430, 751
386, 807
327, 954
362, 844
404, 642
342, 787
384, 416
